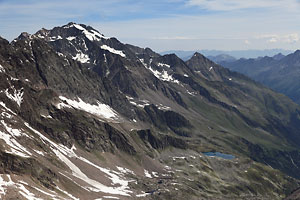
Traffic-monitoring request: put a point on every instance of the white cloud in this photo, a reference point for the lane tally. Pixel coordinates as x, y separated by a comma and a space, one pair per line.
247, 42
283, 38
291, 38
228, 5
272, 40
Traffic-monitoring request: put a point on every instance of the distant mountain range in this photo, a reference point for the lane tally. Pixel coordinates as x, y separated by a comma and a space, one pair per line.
281, 73
84, 116
185, 55
222, 58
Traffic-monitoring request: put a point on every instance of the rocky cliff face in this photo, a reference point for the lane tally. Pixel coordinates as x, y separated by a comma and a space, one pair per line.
84, 116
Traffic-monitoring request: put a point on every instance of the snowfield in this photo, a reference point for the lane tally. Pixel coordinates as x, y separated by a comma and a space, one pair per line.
100, 110
120, 184
112, 50
91, 35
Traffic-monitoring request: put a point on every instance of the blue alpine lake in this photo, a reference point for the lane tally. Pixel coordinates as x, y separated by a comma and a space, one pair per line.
221, 155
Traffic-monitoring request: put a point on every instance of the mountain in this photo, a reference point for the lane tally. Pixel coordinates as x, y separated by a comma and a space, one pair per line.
185, 55
281, 73
278, 56
222, 58
84, 116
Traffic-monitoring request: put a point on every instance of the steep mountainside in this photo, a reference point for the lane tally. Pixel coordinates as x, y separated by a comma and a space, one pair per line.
281, 73
84, 116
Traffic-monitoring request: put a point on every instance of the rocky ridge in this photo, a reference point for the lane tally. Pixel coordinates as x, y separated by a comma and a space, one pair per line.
84, 116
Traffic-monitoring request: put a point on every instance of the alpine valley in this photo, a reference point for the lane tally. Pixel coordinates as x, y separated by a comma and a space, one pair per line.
84, 116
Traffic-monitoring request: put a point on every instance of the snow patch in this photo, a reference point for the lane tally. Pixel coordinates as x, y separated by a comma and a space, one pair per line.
112, 50
71, 38
4, 106
129, 97
164, 76
100, 110
48, 116
91, 35
68, 194
81, 57
163, 65
6, 115
4, 184
13, 78
99, 35
43, 192
55, 38
26, 193
177, 157
144, 194
40, 36
125, 170
105, 59
20, 186
138, 103
163, 107
167, 167
10, 139
110, 197
191, 93
155, 174
147, 174
38, 152
17, 95
60, 54
2, 70
12, 131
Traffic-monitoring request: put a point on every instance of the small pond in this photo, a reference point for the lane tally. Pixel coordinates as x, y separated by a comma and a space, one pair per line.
218, 154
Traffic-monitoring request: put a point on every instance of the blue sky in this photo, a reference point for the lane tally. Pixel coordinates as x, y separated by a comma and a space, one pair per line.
166, 24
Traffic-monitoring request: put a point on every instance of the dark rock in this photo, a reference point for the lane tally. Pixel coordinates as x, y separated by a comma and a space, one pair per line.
161, 141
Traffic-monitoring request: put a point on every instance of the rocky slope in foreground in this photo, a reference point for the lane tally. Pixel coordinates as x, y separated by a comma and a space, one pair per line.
84, 116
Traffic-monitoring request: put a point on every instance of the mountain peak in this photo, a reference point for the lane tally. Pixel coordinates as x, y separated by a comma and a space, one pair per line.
297, 52
70, 23
91, 33
278, 56
42, 33
197, 54
199, 57
24, 35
